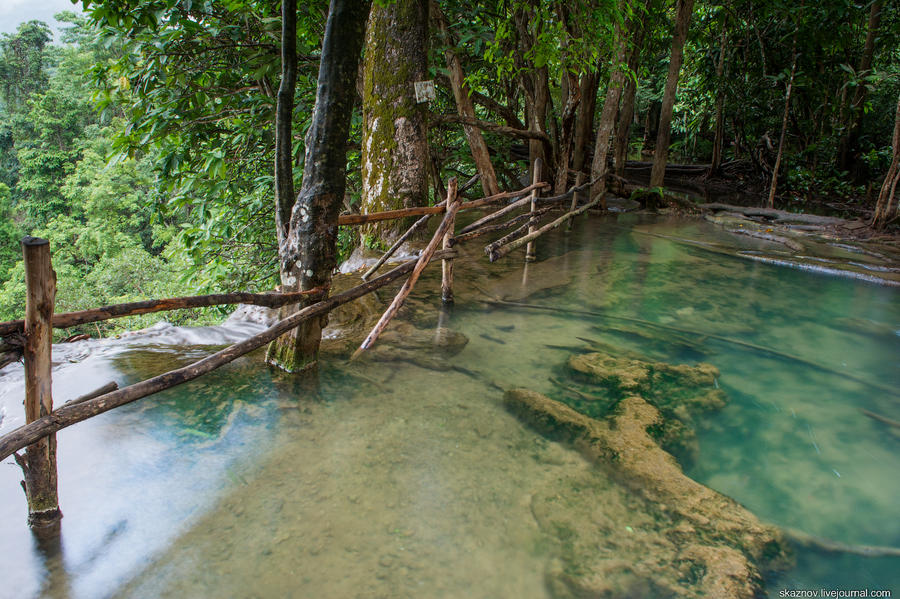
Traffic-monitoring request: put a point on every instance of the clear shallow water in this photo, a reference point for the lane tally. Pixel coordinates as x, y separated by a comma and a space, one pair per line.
402, 481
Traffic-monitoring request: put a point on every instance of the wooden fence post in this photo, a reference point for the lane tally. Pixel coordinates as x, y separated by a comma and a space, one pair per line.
530, 252
579, 179
447, 263
39, 463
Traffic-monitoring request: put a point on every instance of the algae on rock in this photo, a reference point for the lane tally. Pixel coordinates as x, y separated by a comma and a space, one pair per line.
697, 543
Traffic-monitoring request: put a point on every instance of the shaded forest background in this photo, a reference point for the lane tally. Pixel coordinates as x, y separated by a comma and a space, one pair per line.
142, 143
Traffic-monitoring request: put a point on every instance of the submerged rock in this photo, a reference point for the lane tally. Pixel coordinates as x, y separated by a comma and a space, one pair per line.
680, 392
682, 538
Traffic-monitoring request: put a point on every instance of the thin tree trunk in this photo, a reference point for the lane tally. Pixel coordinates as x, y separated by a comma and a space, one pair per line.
394, 147
886, 207
784, 122
719, 137
284, 114
309, 254
682, 24
850, 139
464, 107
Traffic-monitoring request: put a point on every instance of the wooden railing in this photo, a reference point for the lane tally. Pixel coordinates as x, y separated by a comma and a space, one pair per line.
31, 338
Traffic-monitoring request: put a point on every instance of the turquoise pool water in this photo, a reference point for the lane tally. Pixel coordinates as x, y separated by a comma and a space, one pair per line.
403, 481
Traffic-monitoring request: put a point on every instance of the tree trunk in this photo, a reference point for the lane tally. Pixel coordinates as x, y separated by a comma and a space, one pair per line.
849, 141
784, 121
394, 145
284, 111
719, 137
464, 107
607, 120
886, 207
626, 110
682, 24
584, 123
309, 253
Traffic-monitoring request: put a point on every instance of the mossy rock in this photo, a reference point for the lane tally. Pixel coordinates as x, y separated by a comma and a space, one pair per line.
682, 391
698, 542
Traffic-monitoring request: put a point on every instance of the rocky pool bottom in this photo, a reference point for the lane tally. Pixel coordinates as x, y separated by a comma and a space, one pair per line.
499, 450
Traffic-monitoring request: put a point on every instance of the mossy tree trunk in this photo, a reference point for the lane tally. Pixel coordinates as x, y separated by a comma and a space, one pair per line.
394, 145
682, 24
309, 254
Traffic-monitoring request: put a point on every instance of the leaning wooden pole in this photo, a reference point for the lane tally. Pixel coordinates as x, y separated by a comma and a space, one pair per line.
39, 463
427, 253
447, 263
530, 252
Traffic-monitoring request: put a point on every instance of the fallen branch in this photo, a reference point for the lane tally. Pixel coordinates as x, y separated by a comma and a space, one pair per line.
828, 546
427, 253
778, 215
70, 414
882, 419
107, 388
71, 319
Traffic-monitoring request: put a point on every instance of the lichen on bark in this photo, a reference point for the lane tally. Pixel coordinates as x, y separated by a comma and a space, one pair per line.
394, 147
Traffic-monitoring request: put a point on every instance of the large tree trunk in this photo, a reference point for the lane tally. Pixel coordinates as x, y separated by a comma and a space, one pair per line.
309, 254
608, 119
465, 109
886, 207
847, 147
394, 145
682, 24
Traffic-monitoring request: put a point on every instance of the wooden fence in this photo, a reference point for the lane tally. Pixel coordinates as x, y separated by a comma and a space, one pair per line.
30, 339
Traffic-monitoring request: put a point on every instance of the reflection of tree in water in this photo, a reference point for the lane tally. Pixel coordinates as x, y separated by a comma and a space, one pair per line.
203, 410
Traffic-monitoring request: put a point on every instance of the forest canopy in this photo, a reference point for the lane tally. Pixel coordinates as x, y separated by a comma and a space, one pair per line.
142, 143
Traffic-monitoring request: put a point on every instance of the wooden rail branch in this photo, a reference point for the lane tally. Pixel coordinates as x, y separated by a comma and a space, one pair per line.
73, 413
391, 250
361, 219
427, 255
535, 217
497, 253
71, 319
504, 225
